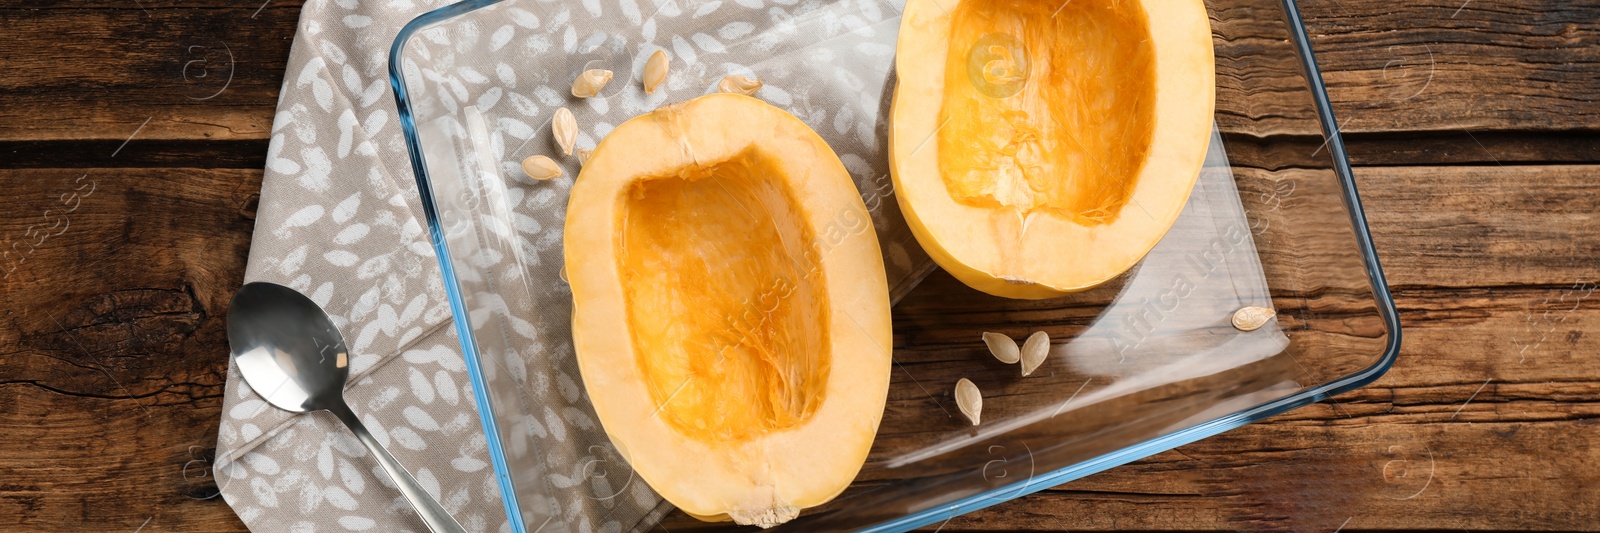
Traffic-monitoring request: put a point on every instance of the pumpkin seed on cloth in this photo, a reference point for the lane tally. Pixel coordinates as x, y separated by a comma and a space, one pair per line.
591, 82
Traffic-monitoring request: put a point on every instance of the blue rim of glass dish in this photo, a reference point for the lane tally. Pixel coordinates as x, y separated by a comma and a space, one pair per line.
1352, 201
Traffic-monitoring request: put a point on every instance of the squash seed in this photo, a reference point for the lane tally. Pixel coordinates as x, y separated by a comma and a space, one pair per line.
541, 168
590, 82
1001, 346
563, 273
565, 128
969, 399
1252, 318
1034, 351
655, 71
734, 83
583, 155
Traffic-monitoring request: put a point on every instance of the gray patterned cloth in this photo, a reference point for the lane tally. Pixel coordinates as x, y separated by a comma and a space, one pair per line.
340, 221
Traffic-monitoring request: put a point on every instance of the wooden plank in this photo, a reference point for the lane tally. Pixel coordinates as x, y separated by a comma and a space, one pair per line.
1270, 477
1459, 65
75, 461
1413, 67
1489, 226
209, 72
113, 350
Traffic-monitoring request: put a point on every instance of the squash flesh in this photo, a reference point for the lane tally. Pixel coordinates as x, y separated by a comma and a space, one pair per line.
1046, 106
726, 307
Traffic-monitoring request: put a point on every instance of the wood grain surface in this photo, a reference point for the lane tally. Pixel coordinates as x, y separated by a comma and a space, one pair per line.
132, 136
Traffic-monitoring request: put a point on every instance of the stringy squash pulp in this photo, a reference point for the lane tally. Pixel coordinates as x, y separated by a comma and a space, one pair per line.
1040, 148
732, 338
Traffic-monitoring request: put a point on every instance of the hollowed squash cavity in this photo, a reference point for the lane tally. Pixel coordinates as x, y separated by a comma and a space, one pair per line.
1046, 107
724, 304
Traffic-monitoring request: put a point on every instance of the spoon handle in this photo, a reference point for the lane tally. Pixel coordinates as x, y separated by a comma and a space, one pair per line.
432, 513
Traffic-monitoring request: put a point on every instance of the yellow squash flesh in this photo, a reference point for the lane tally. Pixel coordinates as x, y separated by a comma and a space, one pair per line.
1040, 148
731, 313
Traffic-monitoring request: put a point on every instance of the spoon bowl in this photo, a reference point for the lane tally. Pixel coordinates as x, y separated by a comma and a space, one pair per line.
290, 353
287, 349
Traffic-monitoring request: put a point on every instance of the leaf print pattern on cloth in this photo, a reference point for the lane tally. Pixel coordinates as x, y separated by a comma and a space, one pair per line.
340, 221
827, 63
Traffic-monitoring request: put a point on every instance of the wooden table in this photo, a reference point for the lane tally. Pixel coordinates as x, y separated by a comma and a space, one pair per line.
1474, 125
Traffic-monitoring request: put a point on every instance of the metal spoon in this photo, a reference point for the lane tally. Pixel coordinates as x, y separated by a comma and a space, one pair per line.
291, 354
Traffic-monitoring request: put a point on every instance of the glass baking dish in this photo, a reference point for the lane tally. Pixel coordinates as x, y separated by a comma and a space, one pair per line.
1140, 365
